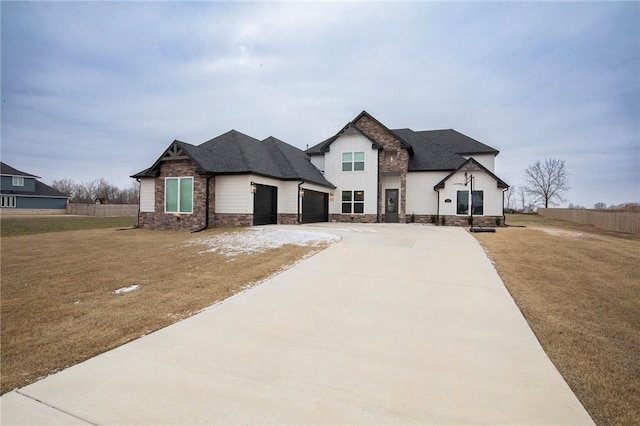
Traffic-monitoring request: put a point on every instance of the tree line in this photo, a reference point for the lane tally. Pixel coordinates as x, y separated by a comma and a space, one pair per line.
97, 190
547, 183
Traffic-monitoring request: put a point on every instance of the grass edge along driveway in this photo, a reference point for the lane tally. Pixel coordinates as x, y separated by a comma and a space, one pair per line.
579, 289
59, 302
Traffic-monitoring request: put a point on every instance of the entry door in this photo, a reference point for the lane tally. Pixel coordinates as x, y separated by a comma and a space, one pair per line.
391, 203
265, 205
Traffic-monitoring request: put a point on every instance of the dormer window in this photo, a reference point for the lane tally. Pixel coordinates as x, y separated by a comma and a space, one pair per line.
17, 181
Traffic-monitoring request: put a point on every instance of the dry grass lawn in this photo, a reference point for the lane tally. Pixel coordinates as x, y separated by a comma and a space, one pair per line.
579, 289
58, 305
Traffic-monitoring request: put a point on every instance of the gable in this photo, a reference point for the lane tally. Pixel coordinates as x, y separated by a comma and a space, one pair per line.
469, 166
236, 153
379, 133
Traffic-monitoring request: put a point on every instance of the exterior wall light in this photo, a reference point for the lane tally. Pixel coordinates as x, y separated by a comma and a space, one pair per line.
253, 187
331, 196
301, 192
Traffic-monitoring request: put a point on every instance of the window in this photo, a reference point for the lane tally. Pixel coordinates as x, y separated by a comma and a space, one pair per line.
352, 161
8, 202
463, 202
352, 202
17, 181
178, 195
477, 203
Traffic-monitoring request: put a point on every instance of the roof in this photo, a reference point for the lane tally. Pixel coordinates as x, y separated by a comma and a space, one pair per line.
7, 170
429, 150
236, 153
351, 128
41, 190
475, 163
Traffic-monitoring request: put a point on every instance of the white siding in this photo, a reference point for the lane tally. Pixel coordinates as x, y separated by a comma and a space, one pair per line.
366, 180
233, 194
421, 198
482, 182
147, 195
487, 160
318, 161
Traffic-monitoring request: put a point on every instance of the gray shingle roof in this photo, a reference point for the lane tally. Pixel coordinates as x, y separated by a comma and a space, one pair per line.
7, 170
430, 150
42, 190
236, 153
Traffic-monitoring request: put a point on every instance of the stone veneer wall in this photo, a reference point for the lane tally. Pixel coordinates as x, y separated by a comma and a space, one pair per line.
485, 221
398, 167
171, 221
354, 218
231, 219
288, 219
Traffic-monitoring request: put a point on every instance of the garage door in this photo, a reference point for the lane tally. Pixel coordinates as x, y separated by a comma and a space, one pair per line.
315, 207
265, 205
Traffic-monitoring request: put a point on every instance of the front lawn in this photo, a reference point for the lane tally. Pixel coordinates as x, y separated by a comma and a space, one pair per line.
579, 289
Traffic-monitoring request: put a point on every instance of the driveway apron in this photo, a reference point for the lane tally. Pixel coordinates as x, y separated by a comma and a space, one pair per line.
395, 324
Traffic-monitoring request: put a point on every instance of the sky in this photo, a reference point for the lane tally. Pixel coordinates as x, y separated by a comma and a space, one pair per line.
100, 89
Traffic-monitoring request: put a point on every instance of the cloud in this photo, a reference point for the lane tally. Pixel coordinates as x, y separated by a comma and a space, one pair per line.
92, 89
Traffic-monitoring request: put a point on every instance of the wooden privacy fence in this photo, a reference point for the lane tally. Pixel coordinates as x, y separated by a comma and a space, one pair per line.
628, 222
102, 209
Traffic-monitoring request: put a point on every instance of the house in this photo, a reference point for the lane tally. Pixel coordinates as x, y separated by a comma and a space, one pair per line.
364, 173
23, 191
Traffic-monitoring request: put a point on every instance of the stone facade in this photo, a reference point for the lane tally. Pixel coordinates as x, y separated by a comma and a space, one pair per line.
393, 159
354, 218
484, 221
233, 220
183, 221
288, 219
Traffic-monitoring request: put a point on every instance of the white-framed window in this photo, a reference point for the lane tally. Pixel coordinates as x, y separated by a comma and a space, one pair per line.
353, 161
352, 202
7, 201
178, 195
17, 181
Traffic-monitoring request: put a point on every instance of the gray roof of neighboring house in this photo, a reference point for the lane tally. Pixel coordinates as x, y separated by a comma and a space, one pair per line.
41, 190
432, 149
236, 153
7, 170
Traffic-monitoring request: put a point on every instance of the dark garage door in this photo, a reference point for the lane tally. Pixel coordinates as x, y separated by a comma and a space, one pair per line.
315, 207
265, 205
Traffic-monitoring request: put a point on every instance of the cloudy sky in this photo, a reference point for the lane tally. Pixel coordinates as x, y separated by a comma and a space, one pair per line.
100, 89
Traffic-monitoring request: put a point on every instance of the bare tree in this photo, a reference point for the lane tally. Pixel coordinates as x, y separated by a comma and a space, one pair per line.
66, 186
547, 182
509, 194
600, 206
522, 195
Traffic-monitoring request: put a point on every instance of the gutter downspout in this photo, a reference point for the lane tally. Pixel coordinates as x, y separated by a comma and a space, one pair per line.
206, 208
438, 207
298, 194
504, 216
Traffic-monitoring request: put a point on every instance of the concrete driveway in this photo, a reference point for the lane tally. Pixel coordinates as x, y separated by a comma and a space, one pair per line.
395, 324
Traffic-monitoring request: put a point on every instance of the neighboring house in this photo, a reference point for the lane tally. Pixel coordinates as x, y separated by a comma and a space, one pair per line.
364, 173
20, 190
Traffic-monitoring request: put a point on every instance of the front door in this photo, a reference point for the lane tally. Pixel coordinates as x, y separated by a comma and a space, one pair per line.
391, 206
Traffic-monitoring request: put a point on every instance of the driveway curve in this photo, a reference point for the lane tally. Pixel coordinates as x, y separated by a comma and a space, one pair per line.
395, 324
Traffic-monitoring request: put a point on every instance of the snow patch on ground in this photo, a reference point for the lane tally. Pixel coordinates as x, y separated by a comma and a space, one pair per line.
560, 233
258, 240
127, 289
